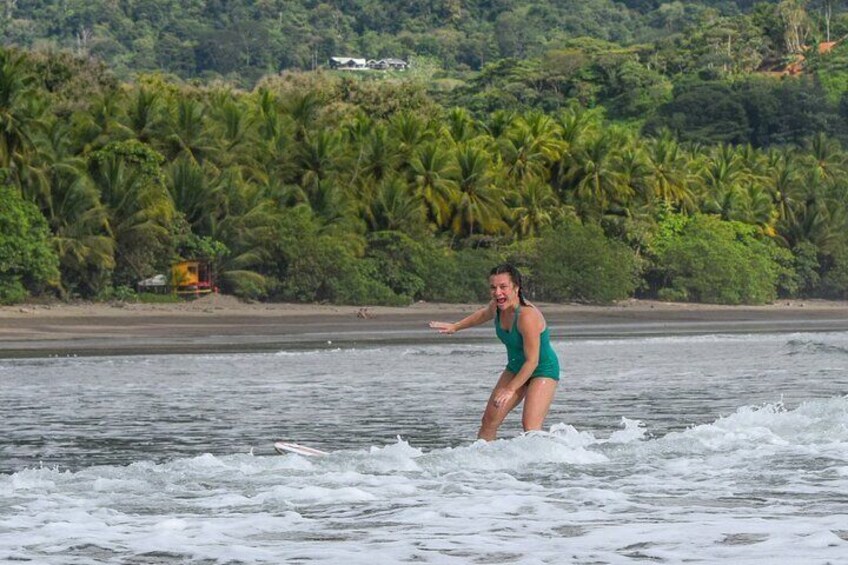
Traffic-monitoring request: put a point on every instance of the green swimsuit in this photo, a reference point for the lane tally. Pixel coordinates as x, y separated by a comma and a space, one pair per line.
548, 363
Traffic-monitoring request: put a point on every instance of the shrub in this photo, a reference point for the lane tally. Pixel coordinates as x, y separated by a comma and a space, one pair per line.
120, 293
577, 262
27, 261
467, 278
318, 267
398, 262
834, 282
710, 260
806, 268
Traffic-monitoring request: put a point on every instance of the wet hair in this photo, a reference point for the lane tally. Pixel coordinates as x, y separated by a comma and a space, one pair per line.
514, 275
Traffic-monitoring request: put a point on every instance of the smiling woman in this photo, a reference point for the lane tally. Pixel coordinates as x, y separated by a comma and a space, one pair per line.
532, 370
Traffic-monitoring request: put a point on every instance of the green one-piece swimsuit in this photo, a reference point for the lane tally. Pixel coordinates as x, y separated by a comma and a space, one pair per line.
548, 366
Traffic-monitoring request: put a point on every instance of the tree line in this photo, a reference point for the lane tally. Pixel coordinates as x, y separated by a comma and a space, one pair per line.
320, 187
243, 40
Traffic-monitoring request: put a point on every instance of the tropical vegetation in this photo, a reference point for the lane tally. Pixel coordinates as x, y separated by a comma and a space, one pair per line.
661, 159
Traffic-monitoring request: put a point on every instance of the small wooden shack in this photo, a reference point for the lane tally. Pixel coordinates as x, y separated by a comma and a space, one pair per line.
191, 277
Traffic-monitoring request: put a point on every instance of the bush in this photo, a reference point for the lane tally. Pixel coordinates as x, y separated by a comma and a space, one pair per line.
458, 276
120, 293
392, 268
12, 291
577, 262
834, 282
398, 263
27, 260
325, 270
706, 259
317, 267
806, 268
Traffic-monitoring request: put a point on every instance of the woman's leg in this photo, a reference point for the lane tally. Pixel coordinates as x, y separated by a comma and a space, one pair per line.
494, 416
537, 402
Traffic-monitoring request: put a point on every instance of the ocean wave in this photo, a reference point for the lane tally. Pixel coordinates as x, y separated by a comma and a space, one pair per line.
813, 423
811, 347
452, 351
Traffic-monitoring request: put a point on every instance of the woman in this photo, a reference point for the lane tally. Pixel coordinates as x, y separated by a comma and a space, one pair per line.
532, 369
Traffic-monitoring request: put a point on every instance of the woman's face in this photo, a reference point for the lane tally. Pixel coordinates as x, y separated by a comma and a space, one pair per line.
504, 292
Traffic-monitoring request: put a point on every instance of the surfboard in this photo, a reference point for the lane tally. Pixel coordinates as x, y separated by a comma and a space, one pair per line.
284, 447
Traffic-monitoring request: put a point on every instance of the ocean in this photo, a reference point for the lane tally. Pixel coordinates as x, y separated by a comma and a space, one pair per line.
692, 449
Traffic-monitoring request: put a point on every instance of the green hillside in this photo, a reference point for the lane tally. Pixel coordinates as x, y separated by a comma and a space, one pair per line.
245, 39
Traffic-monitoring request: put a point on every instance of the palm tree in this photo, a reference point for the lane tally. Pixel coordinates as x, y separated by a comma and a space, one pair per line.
303, 108
80, 226
531, 146
594, 177
667, 176
267, 114
826, 155
753, 205
234, 132
22, 124
19, 112
187, 132
577, 123
632, 163
533, 207
315, 157
500, 122
144, 114
356, 129
77, 219
271, 146
193, 194
378, 156
395, 208
431, 171
408, 132
478, 206
103, 122
721, 180
245, 223
459, 125
575, 127
817, 217
139, 207
782, 183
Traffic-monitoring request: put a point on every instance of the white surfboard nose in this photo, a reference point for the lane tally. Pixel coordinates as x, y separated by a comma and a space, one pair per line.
284, 447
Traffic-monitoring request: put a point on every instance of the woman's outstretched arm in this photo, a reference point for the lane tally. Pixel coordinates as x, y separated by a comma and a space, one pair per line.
481, 316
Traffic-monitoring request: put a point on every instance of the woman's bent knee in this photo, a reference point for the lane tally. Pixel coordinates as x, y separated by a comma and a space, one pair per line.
492, 416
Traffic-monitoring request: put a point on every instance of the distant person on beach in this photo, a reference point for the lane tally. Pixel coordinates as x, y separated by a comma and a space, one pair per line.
532, 369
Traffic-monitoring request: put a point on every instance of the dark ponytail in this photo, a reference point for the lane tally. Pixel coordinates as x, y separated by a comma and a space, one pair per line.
514, 275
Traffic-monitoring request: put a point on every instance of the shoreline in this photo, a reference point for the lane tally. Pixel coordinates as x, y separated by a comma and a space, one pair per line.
219, 323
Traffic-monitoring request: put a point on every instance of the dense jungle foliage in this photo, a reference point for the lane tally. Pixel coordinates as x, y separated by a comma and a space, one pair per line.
612, 149
247, 39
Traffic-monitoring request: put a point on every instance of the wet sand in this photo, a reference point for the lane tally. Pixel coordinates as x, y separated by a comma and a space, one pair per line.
224, 324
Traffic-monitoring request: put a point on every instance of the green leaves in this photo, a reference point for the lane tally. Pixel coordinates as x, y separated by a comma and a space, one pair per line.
575, 262
709, 260
342, 189
27, 261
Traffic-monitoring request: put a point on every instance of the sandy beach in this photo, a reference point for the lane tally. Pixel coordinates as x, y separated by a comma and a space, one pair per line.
218, 323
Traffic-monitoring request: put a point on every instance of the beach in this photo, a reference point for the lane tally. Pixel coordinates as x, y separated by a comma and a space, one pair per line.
220, 323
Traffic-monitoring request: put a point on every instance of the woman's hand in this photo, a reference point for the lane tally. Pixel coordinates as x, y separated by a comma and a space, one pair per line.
502, 397
444, 327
